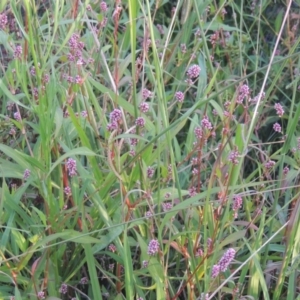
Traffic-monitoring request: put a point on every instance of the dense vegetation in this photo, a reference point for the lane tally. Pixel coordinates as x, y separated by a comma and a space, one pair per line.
149, 149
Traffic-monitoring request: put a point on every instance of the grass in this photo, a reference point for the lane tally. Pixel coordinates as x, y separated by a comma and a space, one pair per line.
149, 150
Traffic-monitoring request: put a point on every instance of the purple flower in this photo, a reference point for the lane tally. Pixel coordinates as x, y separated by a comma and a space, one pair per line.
205, 123
148, 214
112, 126
133, 141
167, 206
140, 121
150, 172
194, 161
71, 167
167, 195
103, 6
286, 170
279, 109
277, 127
145, 263
73, 41
255, 99
115, 115
192, 191
146, 94
63, 289
32, 71
153, 247
269, 164
183, 48
195, 171
18, 52
67, 191
144, 107
179, 96
226, 259
236, 205
84, 114
35, 92
215, 271
199, 252
244, 91
26, 174
78, 79
84, 280
3, 21
223, 263
132, 152
198, 132
41, 295
237, 202
233, 157
112, 248
46, 78
193, 71
12, 131
17, 116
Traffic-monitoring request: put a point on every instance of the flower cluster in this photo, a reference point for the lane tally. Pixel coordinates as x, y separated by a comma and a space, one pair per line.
269, 164
144, 107
148, 214
244, 91
192, 191
236, 205
255, 99
277, 127
112, 248
150, 172
18, 52
279, 109
41, 295
114, 117
17, 116
167, 206
153, 247
223, 263
71, 167
103, 6
206, 123
63, 289
179, 96
146, 94
67, 191
193, 71
140, 121
26, 174
198, 132
233, 157
84, 280
76, 48
3, 21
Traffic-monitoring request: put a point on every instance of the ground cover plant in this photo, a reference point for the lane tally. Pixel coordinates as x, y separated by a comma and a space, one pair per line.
149, 149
